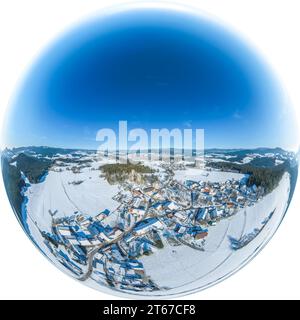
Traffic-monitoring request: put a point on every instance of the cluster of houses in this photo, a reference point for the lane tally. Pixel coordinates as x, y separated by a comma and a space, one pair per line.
218, 199
183, 210
85, 231
72, 238
147, 217
115, 264
120, 271
150, 208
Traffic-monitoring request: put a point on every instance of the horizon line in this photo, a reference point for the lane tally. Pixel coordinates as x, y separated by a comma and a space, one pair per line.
156, 149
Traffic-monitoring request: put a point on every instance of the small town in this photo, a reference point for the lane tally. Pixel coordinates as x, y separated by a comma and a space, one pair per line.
108, 250
128, 225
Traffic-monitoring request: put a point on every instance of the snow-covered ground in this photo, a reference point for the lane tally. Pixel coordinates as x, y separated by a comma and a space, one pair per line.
57, 192
182, 268
247, 159
178, 269
203, 175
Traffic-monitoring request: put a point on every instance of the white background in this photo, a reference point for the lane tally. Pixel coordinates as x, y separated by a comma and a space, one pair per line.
27, 26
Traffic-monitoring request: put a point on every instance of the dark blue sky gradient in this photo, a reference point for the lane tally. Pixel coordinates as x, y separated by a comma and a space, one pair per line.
155, 69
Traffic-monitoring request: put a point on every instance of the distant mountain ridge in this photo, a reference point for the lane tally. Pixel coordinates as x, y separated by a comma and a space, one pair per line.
51, 151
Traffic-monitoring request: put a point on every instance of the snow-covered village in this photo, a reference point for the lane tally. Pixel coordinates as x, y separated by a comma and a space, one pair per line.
127, 226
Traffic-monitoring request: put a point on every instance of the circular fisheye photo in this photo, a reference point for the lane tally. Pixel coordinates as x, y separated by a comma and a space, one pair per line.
149, 152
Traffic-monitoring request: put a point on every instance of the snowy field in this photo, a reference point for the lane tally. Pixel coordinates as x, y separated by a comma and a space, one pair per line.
57, 192
182, 268
203, 175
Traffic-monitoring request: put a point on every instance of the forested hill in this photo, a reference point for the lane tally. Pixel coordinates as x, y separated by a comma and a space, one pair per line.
33, 168
267, 177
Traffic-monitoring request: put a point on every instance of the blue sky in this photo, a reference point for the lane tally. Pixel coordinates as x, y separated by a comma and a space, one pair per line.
155, 69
